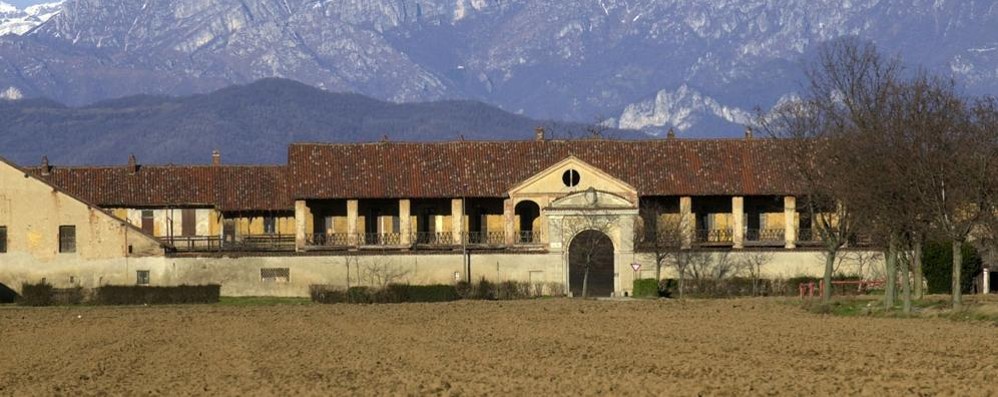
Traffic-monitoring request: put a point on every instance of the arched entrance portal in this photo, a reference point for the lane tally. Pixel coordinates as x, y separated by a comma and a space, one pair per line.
594, 250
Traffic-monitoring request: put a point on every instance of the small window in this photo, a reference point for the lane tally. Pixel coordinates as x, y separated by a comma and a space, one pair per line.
67, 239
142, 277
3, 239
275, 275
269, 225
571, 178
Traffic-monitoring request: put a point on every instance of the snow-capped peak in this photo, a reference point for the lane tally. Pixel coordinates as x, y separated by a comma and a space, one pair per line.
6, 8
15, 21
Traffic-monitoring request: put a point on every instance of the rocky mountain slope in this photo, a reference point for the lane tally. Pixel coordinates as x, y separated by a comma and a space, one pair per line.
250, 124
16, 21
697, 66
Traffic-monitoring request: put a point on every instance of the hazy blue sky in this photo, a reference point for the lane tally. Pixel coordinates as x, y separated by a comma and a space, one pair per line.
23, 3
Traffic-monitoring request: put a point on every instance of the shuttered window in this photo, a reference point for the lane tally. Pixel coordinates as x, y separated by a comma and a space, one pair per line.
3, 239
67, 239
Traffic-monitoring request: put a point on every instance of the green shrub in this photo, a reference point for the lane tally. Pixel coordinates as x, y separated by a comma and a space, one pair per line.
464, 289
512, 290
68, 296
937, 266
327, 294
646, 288
144, 295
432, 293
40, 294
484, 290
360, 295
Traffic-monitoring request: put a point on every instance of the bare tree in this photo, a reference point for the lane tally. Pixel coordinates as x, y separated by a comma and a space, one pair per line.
380, 272
809, 144
753, 262
662, 232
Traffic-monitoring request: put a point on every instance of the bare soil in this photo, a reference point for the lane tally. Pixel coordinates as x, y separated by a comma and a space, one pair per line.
724, 347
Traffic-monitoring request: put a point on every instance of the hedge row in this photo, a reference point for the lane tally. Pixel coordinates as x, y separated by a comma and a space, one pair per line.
43, 294
742, 287
401, 293
139, 295
393, 293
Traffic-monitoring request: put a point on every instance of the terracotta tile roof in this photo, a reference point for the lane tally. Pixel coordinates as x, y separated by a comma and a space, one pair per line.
490, 169
228, 188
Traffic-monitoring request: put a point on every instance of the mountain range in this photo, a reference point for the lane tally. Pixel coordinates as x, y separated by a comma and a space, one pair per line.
250, 124
700, 67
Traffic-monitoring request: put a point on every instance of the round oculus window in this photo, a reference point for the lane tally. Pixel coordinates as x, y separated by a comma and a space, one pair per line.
571, 178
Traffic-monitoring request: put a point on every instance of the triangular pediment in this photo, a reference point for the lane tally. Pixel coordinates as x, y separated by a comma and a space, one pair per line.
554, 180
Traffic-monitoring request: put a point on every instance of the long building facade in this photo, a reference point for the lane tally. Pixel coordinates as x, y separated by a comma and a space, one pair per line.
540, 211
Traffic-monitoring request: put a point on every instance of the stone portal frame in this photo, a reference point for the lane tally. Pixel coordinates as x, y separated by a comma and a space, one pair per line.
575, 213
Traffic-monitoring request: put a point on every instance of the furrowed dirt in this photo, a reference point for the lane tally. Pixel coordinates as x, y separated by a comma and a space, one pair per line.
724, 347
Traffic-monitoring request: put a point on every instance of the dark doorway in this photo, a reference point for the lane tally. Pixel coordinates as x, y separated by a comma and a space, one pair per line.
148, 222
188, 223
596, 249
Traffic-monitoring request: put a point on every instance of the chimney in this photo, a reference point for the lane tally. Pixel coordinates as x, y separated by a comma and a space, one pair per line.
133, 166
539, 134
671, 134
216, 158
748, 132
46, 168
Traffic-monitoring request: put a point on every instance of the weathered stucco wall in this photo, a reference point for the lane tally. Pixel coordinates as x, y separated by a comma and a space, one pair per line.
241, 276
33, 211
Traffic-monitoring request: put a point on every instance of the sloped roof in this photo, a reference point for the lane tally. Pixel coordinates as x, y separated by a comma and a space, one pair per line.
489, 169
228, 188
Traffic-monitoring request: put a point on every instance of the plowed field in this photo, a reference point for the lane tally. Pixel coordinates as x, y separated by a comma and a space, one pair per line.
726, 347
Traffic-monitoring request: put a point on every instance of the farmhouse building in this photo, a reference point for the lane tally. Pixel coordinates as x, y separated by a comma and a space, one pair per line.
437, 212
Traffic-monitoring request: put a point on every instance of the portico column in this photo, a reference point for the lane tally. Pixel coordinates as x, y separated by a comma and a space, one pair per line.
457, 220
405, 222
687, 221
508, 221
790, 221
300, 214
738, 224
352, 208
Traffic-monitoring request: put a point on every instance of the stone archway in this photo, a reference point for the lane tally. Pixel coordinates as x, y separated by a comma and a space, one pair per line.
596, 249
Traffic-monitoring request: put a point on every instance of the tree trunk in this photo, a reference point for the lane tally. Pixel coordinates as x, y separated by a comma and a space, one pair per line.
585, 283
890, 289
957, 264
906, 288
917, 268
826, 292
658, 270
682, 283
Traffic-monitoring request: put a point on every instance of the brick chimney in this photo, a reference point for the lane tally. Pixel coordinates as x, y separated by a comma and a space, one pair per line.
748, 132
671, 134
46, 168
216, 158
539, 134
133, 166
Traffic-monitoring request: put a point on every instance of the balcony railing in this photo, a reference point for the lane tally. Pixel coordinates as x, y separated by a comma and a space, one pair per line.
765, 236
808, 236
714, 236
250, 243
528, 237
434, 238
328, 240
487, 238
381, 239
